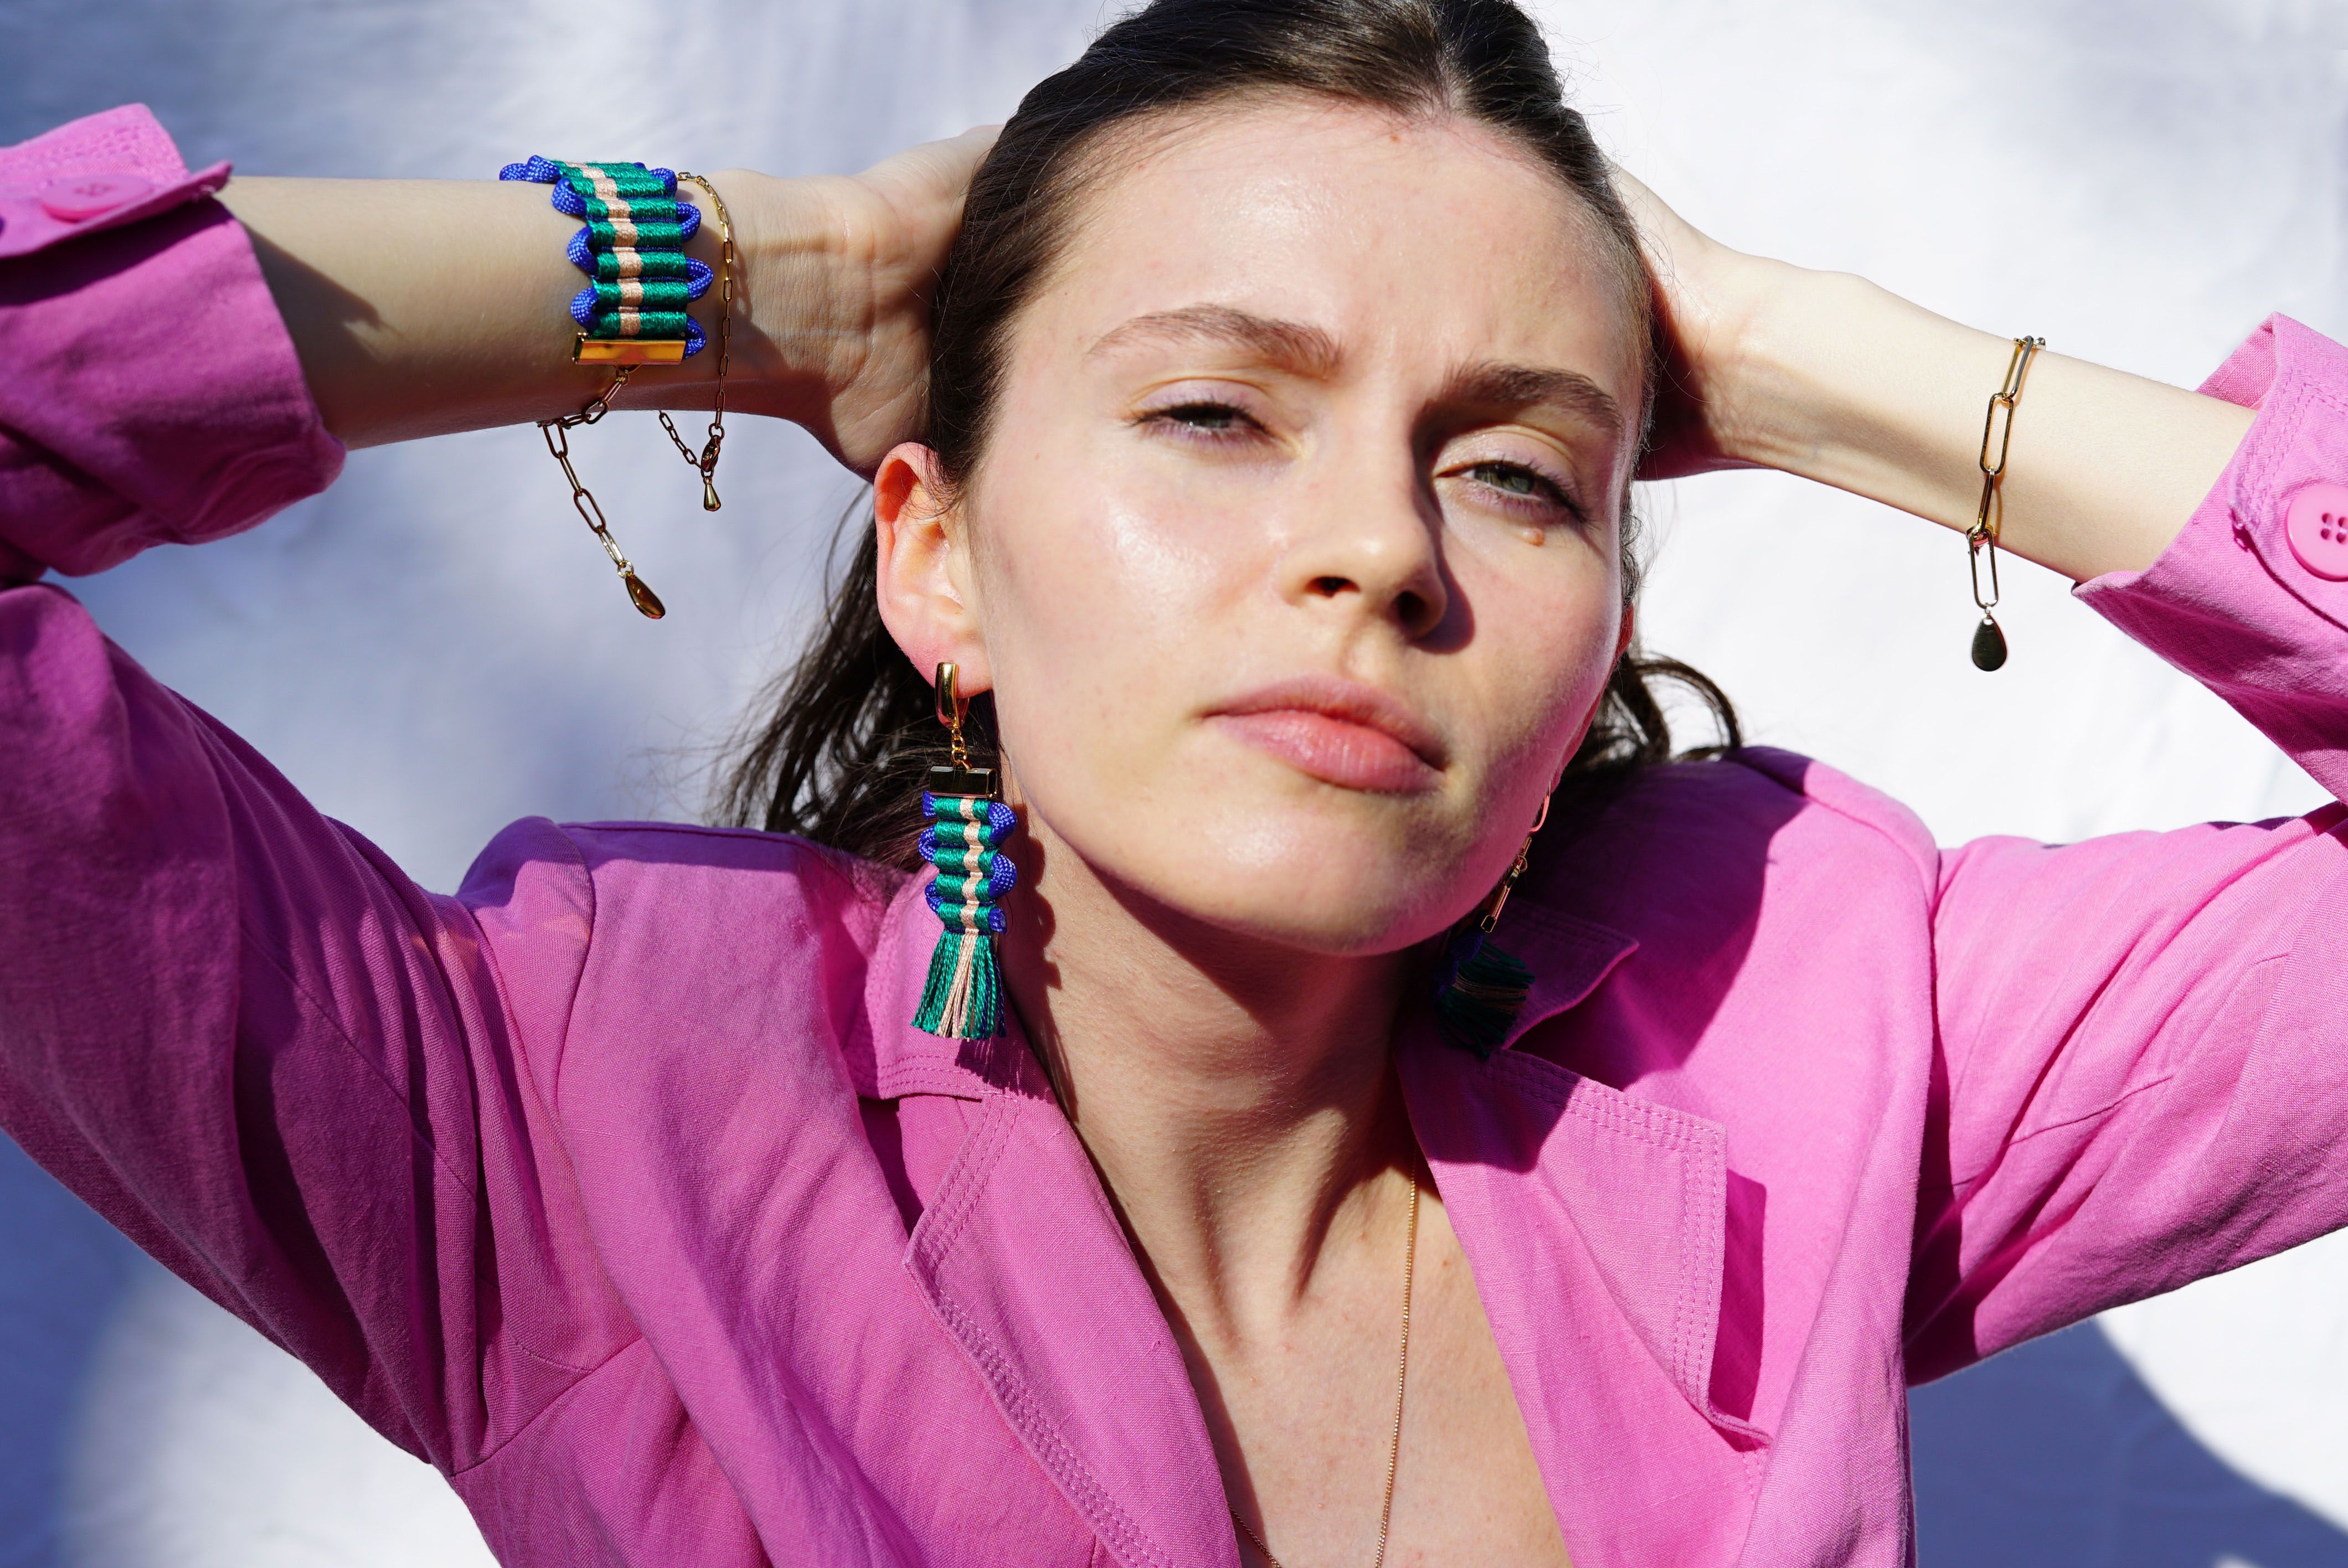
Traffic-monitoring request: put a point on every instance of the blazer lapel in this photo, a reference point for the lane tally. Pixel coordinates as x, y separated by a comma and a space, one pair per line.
1025, 1265
1592, 1222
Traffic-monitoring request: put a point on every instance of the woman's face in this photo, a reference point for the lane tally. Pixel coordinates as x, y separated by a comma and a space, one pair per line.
1293, 562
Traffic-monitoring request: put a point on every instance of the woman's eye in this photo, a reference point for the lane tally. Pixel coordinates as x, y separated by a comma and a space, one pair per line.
1204, 418
1514, 479
1507, 477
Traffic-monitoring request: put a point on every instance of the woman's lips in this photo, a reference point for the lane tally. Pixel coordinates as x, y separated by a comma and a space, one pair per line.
1350, 755
1351, 736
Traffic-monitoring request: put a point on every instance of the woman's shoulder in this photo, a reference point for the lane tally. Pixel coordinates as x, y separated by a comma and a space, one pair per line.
677, 896
635, 955
1757, 815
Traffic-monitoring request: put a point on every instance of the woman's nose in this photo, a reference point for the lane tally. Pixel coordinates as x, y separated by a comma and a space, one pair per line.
1370, 546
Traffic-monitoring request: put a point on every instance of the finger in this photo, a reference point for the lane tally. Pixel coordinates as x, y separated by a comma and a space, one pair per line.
1657, 224
935, 170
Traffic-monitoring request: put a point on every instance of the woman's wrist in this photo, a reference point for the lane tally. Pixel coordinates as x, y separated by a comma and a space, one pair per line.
1840, 381
1843, 382
839, 315
780, 330
422, 307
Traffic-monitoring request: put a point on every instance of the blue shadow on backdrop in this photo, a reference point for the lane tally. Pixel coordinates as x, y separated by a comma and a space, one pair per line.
2055, 1455
65, 1270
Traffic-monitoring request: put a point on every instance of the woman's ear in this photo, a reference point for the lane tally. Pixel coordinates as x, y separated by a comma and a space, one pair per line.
924, 577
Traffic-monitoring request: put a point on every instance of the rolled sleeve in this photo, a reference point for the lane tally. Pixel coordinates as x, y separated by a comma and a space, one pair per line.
153, 395
2141, 1078
2237, 603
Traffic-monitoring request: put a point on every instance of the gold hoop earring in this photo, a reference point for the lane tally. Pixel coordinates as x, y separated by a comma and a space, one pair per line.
1480, 990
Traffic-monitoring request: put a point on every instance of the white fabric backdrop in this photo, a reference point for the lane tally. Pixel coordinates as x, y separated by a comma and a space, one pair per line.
435, 647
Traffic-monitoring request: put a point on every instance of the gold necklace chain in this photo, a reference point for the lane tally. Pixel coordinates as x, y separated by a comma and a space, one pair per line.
1402, 1381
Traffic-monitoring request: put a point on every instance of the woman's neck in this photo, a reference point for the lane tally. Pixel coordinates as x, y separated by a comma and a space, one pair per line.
1235, 1097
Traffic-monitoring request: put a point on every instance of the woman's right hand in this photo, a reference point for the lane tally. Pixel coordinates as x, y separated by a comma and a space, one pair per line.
840, 271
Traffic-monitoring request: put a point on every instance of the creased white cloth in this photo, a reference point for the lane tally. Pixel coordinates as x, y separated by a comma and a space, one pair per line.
2140, 184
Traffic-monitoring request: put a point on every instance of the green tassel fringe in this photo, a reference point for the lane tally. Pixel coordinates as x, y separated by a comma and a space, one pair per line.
1487, 989
958, 1005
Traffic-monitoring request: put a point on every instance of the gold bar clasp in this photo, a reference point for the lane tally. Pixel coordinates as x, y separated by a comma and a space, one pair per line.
585, 350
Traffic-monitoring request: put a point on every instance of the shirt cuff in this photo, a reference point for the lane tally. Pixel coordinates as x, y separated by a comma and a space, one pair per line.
2246, 599
153, 395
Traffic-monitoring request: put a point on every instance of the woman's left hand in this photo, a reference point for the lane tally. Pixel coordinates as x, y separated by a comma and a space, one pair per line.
1708, 299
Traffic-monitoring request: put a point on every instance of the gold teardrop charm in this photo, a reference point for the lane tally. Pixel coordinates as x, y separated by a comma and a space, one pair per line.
709, 501
640, 595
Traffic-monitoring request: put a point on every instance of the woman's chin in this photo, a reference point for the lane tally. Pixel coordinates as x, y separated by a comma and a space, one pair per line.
1319, 872
1335, 908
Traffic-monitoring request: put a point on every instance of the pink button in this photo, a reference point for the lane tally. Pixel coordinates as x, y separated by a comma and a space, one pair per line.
2317, 526
76, 198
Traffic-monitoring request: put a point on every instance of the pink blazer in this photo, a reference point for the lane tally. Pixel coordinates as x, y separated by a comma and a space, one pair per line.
617, 1185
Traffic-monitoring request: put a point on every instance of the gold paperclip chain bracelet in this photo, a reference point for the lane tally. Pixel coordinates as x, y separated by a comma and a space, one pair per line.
557, 430
1989, 520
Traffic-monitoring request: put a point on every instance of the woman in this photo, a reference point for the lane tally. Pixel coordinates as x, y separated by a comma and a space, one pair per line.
1264, 483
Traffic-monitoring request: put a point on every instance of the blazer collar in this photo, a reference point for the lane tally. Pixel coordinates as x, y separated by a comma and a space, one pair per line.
889, 1057
1592, 1222
1022, 1262
1569, 958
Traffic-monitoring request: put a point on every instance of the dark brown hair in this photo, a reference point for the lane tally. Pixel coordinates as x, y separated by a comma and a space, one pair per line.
850, 729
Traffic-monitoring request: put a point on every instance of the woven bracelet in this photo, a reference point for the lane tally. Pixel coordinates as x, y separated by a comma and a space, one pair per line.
633, 247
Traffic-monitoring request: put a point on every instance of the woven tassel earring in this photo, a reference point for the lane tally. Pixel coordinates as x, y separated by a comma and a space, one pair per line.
1481, 989
963, 998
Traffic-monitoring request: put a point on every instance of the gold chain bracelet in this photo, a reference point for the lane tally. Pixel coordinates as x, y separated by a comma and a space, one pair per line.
1989, 639
557, 432
707, 459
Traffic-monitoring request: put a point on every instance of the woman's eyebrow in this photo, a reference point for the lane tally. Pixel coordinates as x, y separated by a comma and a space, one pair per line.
1307, 350
1518, 387
1294, 346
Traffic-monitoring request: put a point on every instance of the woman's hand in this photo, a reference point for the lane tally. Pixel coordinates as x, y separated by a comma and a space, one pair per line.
1707, 300
840, 273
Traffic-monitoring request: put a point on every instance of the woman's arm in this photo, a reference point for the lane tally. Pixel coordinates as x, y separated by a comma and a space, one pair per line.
231, 1025
2138, 1077
1828, 377
420, 307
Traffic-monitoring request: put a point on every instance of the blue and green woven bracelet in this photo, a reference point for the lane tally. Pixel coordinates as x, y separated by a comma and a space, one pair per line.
632, 248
